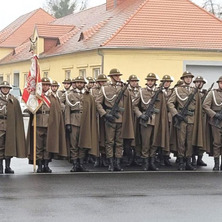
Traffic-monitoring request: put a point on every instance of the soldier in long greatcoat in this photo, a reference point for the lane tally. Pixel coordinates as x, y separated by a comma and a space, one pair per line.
80, 121
213, 106
190, 131
154, 131
117, 127
12, 135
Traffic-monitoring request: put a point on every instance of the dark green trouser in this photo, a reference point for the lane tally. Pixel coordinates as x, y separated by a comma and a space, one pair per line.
147, 139
41, 138
75, 151
113, 138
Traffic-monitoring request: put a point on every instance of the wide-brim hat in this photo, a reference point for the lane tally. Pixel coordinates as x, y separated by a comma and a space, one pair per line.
133, 78
220, 79
101, 78
54, 83
199, 79
90, 80
115, 72
45, 81
80, 79
67, 81
186, 74
151, 76
166, 78
5, 84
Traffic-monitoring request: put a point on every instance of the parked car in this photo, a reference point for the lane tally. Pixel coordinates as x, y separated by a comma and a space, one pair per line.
16, 92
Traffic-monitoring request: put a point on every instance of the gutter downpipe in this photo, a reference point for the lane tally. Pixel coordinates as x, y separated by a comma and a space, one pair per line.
102, 62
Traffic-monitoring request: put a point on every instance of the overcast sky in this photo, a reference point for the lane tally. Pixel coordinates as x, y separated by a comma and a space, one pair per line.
12, 9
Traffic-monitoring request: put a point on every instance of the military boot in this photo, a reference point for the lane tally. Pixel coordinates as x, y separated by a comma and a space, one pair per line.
7, 166
1, 166
181, 163
137, 161
152, 164
97, 162
167, 161
200, 161
194, 161
82, 167
146, 164
216, 164
111, 167
39, 170
46, 167
103, 160
75, 166
189, 165
118, 166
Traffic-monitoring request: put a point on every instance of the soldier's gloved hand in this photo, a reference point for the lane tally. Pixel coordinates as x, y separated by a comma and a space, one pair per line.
143, 117
218, 116
179, 117
109, 117
68, 128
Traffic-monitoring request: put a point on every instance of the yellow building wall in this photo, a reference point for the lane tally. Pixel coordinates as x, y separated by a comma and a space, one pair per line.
142, 62
55, 67
4, 52
138, 62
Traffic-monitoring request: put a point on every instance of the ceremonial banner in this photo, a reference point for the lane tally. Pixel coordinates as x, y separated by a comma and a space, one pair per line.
32, 94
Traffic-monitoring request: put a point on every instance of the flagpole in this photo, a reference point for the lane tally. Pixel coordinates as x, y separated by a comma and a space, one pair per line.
34, 143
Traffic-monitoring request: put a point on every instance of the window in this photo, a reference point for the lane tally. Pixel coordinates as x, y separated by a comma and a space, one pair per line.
67, 74
82, 72
96, 72
25, 79
1, 78
16, 79
9, 78
45, 74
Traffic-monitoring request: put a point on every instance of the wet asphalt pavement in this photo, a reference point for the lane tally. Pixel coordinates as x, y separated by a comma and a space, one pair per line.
102, 196
131, 195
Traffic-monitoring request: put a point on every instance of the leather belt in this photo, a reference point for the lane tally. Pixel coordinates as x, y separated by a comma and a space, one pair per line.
76, 111
3, 117
42, 112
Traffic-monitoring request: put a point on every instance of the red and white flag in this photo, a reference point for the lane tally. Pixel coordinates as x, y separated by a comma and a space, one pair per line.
32, 94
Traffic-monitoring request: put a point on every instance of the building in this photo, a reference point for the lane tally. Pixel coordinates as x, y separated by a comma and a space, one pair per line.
135, 36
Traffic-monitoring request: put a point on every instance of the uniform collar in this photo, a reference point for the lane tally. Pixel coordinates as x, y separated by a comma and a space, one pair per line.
80, 91
4, 96
151, 89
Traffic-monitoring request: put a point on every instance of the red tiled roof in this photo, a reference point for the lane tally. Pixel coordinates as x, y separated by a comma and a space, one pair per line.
21, 29
169, 24
53, 31
154, 24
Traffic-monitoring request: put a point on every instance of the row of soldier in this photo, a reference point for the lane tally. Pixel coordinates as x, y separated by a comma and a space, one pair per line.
109, 118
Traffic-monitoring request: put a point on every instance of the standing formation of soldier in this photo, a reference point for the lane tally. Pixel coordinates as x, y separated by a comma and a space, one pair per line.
103, 121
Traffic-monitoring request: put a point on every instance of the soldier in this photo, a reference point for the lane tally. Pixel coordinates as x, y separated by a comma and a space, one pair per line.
62, 93
212, 106
95, 92
199, 82
76, 124
133, 150
55, 87
12, 135
50, 132
119, 127
187, 136
166, 80
156, 125
73, 83
91, 82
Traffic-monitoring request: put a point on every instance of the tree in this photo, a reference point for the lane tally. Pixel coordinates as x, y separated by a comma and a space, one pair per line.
213, 7
61, 8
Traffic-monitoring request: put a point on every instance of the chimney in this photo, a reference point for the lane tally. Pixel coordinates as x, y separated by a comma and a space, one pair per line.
111, 4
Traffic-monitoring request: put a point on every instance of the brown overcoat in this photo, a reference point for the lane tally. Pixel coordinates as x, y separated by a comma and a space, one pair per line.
88, 136
15, 145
